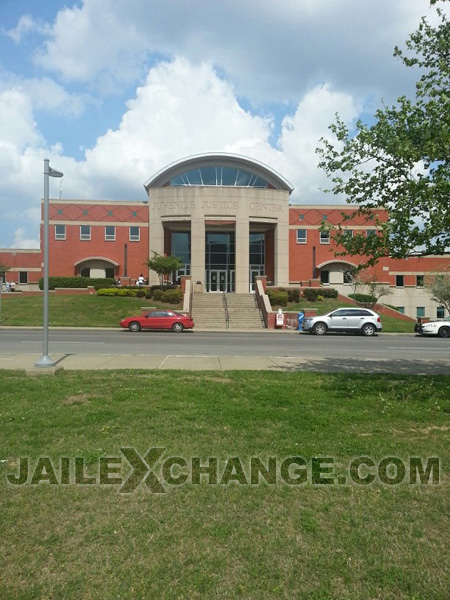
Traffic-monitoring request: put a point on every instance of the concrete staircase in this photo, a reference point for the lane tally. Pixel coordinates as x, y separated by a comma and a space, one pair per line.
208, 311
243, 312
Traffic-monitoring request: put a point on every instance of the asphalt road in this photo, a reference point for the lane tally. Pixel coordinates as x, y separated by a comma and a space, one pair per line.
202, 343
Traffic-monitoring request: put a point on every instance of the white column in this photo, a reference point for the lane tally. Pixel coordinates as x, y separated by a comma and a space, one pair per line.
242, 256
198, 251
281, 254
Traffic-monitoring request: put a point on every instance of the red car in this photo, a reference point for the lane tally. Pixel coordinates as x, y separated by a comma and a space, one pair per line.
158, 319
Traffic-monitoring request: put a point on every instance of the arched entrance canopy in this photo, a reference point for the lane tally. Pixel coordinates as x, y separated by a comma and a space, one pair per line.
219, 169
90, 258
336, 261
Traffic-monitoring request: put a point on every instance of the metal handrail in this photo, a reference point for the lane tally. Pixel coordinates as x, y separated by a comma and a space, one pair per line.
225, 307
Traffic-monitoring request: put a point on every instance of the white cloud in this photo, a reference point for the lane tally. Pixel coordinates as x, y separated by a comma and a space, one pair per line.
271, 51
182, 109
25, 26
300, 138
22, 242
17, 124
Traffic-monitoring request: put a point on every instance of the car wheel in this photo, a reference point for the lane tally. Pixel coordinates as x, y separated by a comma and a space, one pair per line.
134, 326
320, 328
177, 327
444, 332
368, 329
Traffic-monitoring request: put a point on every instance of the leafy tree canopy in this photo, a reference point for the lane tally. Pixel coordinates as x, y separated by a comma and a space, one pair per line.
438, 286
163, 265
401, 162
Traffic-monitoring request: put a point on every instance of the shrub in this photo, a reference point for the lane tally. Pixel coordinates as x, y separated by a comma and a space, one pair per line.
122, 292
312, 294
293, 295
174, 296
77, 282
156, 294
277, 297
363, 298
328, 292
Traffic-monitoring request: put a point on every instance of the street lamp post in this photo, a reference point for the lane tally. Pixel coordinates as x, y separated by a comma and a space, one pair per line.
45, 360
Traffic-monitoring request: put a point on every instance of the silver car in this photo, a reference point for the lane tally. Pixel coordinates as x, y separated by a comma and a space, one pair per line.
349, 320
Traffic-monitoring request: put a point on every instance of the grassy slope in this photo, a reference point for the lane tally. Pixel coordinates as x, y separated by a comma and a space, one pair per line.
93, 311
237, 541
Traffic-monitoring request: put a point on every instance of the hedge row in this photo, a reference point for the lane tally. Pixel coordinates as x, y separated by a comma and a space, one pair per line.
167, 296
363, 298
314, 294
281, 296
77, 282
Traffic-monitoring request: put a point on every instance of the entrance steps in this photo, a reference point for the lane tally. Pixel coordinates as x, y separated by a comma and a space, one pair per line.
209, 311
244, 312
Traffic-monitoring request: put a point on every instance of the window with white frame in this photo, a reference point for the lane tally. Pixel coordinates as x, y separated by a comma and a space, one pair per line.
60, 232
420, 311
110, 233
135, 233
324, 237
85, 232
348, 232
301, 236
420, 280
370, 232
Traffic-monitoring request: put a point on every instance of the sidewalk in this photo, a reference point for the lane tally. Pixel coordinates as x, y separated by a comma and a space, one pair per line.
78, 362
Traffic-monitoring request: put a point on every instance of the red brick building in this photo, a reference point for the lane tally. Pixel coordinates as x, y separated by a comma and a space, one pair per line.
229, 219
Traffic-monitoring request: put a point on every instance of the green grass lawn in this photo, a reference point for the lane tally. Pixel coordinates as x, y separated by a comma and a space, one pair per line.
311, 542
102, 311
73, 311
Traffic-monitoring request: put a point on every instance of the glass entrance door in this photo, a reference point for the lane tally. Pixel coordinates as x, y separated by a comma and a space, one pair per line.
218, 281
255, 271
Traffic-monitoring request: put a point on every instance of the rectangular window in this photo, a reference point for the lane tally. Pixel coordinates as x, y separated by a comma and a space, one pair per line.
60, 232
85, 272
23, 277
348, 232
419, 280
85, 232
440, 312
420, 311
401, 309
325, 277
110, 233
135, 234
370, 232
301, 236
324, 237
399, 280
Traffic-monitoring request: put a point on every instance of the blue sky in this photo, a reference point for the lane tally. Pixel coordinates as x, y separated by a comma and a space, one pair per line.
112, 91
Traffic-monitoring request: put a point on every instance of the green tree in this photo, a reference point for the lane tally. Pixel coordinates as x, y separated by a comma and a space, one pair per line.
401, 162
163, 265
438, 286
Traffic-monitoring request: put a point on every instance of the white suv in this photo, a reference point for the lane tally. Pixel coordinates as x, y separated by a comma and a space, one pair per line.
350, 320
